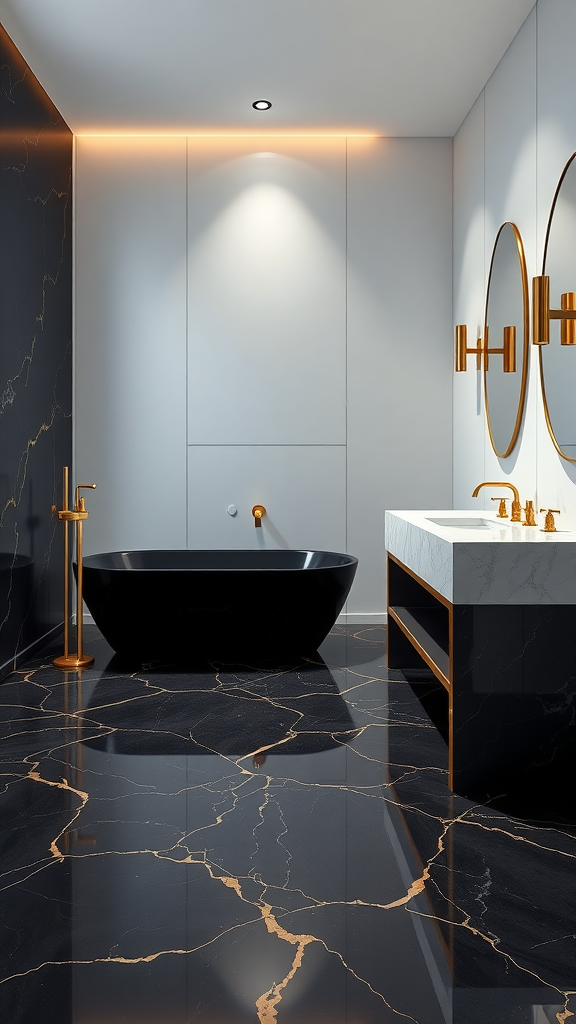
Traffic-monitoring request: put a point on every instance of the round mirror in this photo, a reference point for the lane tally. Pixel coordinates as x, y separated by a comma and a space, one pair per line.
506, 340
558, 358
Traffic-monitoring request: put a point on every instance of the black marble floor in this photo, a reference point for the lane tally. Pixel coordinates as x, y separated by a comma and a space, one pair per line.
235, 845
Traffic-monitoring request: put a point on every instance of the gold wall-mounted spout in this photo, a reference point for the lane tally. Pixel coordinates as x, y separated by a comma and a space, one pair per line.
516, 516
549, 524
258, 511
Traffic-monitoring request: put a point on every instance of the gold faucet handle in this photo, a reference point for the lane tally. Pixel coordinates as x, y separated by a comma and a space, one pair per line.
502, 510
549, 524
529, 514
516, 516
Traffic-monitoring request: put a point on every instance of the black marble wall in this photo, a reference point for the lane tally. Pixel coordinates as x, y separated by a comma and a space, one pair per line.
35, 352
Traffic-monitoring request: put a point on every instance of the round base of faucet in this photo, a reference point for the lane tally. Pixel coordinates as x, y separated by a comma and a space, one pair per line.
71, 661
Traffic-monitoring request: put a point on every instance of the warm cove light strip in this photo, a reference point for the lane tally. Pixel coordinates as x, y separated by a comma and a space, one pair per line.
226, 135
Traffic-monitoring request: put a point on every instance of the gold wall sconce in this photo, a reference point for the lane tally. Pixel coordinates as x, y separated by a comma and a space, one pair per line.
506, 317
558, 278
508, 350
542, 314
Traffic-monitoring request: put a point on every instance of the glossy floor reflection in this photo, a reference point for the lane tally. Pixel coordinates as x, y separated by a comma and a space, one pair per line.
236, 845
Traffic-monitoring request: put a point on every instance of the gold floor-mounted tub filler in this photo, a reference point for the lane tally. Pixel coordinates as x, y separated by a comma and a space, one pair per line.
76, 515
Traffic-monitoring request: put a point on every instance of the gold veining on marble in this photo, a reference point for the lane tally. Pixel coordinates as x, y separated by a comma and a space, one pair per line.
241, 779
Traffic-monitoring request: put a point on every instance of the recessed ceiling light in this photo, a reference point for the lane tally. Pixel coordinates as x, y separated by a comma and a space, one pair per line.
261, 104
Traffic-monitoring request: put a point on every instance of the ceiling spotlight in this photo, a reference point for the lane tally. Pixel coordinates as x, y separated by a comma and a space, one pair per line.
261, 104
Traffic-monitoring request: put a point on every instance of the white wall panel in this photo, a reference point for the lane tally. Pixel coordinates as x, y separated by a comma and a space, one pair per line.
399, 343
557, 142
510, 187
131, 340
469, 300
267, 291
266, 300
530, 134
556, 107
303, 489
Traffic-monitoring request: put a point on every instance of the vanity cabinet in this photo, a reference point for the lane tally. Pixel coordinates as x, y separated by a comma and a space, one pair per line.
509, 675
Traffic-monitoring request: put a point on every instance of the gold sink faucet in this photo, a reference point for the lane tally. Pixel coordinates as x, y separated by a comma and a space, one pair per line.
516, 516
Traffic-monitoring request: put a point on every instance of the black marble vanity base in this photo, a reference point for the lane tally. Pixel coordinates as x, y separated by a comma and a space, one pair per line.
514, 697
509, 672
272, 846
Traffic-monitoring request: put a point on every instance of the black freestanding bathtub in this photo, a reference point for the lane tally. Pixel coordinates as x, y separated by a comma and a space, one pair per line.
216, 605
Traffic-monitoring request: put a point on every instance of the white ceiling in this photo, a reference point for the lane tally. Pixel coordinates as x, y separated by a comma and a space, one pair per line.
389, 67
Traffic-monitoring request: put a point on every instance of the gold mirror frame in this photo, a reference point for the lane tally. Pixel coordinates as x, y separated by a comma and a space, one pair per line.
526, 337
540, 354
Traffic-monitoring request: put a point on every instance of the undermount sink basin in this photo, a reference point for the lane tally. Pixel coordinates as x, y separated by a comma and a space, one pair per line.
471, 523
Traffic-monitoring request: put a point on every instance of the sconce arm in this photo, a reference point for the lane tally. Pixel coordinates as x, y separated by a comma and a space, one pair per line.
508, 350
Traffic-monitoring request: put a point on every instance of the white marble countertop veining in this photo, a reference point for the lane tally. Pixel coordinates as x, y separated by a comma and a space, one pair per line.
491, 562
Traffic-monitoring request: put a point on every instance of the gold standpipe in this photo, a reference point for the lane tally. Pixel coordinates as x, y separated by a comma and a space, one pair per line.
76, 515
529, 513
549, 524
502, 510
542, 314
258, 511
516, 516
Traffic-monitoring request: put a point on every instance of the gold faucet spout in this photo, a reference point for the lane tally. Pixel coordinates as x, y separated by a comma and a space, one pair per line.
516, 516
258, 511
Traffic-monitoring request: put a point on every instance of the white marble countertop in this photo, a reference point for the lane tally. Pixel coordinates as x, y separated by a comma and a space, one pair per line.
503, 563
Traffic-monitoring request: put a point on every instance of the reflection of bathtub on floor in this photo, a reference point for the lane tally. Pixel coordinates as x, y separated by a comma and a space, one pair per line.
16, 627
300, 711
221, 605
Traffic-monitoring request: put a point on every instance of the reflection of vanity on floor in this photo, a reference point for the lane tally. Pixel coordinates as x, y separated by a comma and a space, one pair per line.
490, 608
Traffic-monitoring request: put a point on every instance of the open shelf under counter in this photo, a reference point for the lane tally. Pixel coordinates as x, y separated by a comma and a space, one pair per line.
424, 618
426, 628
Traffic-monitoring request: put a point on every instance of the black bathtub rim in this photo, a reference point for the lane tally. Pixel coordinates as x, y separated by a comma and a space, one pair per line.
12, 563
329, 560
